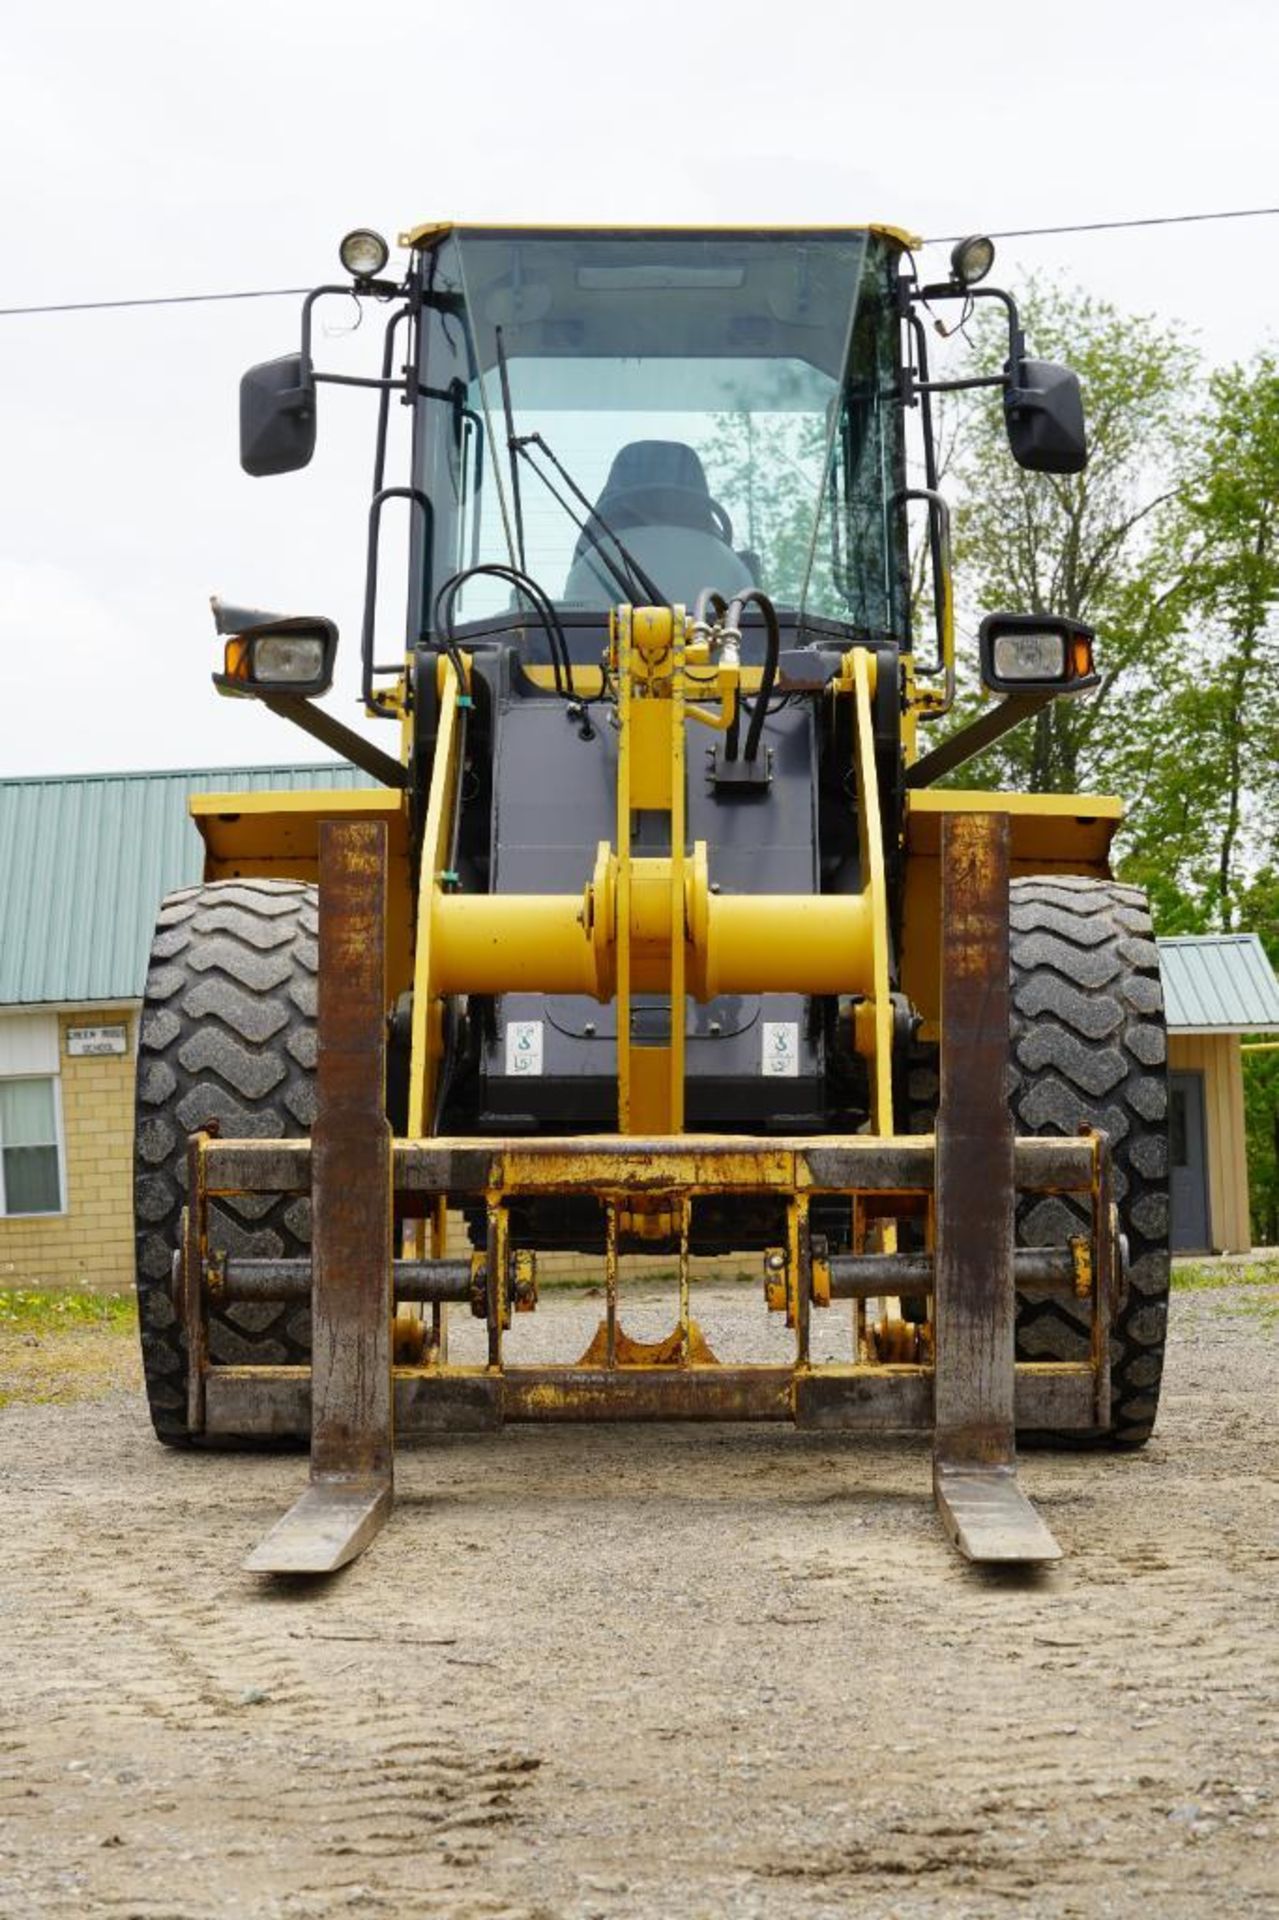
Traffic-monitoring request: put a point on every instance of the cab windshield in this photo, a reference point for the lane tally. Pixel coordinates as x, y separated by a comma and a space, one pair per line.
697, 411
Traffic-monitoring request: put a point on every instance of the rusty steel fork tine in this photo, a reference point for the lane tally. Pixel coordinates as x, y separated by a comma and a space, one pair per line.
352, 1441
974, 1458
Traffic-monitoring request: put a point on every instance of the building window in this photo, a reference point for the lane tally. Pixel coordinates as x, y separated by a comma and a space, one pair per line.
30, 1160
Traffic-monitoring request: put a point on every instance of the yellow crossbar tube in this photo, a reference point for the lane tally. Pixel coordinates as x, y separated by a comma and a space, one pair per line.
734, 943
784, 943
513, 943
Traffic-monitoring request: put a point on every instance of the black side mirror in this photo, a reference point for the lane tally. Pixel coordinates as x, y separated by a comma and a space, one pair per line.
277, 416
1044, 414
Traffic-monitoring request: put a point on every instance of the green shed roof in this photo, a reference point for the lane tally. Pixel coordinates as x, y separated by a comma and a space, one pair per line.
85, 861
1218, 983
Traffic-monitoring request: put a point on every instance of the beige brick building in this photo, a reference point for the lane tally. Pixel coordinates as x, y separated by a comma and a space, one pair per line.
84, 1101
1218, 989
84, 863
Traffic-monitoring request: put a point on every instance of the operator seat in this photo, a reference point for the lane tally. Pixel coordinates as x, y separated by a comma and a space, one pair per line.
657, 500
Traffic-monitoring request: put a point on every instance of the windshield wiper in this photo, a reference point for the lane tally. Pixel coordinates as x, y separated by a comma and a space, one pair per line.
512, 451
517, 446
635, 575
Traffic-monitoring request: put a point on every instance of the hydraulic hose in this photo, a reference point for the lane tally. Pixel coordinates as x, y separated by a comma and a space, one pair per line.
759, 708
543, 607
708, 602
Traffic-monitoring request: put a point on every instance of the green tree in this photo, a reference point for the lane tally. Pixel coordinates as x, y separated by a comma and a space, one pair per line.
766, 469
1225, 737
1105, 546
1259, 910
1212, 821
1169, 545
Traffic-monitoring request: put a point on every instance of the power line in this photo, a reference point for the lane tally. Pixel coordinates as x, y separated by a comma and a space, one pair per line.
164, 300
1109, 226
934, 240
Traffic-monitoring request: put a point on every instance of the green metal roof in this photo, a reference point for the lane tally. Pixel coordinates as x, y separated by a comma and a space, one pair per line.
1218, 983
85, 861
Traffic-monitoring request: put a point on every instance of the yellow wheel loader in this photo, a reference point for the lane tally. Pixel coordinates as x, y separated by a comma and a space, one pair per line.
658, 933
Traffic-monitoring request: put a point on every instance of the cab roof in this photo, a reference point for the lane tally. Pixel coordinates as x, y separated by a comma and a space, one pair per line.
431, 232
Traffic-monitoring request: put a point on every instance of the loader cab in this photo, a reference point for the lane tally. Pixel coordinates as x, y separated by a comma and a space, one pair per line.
704, 409
638, 415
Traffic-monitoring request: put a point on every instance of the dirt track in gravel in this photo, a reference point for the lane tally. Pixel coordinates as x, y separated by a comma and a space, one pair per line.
645, 1673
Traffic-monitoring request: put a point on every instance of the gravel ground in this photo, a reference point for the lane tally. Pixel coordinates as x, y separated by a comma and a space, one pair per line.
640, 1673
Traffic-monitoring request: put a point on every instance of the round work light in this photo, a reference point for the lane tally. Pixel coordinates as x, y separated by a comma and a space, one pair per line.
971, 259
363, 253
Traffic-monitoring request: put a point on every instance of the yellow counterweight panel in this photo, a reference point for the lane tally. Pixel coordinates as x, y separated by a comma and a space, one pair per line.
275, 835
1053, 829
1050, 833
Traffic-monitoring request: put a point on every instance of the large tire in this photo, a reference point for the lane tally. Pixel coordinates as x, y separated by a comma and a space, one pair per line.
1088, 1048
227, 1036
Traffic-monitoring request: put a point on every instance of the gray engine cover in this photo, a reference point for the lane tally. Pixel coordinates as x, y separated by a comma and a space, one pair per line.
754, 1063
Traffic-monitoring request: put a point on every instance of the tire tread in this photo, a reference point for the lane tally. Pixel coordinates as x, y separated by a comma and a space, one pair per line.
227, 1034
1089, 1047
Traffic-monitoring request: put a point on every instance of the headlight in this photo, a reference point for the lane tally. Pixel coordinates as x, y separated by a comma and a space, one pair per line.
1029, 656
363, 253
287, 656
1036, 653
280, 656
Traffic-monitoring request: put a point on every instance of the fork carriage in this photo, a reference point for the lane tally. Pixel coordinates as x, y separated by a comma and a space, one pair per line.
953, 1194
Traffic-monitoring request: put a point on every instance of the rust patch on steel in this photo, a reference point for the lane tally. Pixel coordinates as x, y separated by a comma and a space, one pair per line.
351, 1160
667, 1352
274, 1402
892, 1173
974, 1194
648, 1393
352, 1443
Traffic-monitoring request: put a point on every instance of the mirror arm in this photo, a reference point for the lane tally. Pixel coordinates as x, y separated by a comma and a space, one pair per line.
379, 289
960, 386
358, 380
976, 737
944, 290
336, 734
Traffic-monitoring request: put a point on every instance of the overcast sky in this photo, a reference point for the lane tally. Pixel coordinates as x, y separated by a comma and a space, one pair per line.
152, 149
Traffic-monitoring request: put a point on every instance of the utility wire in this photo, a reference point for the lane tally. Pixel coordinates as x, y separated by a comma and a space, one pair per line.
166, 300
1108, 226
934, 240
